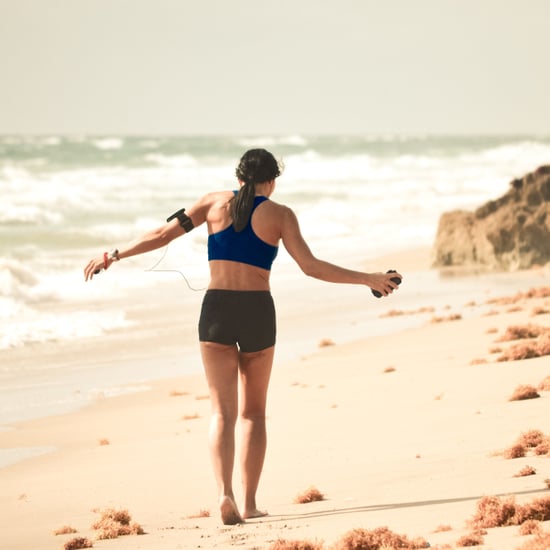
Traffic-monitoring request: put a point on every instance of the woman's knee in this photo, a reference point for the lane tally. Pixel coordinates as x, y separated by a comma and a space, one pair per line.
255, 417
224, 418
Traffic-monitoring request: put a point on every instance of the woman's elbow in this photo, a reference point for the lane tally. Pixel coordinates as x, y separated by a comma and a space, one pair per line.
311, 269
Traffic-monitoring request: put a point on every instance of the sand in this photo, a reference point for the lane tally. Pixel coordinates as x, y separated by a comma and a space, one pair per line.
403, 429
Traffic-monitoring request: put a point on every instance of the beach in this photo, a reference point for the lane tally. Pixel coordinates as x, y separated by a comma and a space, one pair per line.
396, 410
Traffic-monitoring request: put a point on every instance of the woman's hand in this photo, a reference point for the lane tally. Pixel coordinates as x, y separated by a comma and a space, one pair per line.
96, 265
382, 282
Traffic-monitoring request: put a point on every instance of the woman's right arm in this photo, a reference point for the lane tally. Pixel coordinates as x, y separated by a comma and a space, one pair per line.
312, 266
156, 238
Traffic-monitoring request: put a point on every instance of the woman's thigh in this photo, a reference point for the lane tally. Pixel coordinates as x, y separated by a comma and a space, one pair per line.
255, 371
221, 366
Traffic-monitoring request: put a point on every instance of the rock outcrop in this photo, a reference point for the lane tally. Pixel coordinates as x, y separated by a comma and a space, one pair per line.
509, 233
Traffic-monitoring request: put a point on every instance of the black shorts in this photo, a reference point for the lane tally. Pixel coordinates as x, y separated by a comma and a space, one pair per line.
246, 318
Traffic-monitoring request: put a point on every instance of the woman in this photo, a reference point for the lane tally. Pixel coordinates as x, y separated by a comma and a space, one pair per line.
237, 321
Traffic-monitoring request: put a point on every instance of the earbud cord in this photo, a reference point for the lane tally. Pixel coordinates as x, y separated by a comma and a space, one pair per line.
153, 268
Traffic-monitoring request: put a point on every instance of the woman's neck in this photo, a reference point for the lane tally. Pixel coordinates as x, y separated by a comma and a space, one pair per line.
265, 189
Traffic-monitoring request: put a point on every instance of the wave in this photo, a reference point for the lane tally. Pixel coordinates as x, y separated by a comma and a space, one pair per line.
108, 144
17, 281
52, 328
295, 140
27, 214
27, 298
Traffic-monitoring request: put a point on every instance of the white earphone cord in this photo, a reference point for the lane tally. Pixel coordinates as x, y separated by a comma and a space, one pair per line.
153, 268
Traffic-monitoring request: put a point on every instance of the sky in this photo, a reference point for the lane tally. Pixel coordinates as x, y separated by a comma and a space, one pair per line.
264, 67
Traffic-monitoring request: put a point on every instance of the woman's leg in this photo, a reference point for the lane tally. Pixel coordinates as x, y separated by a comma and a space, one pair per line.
255, 370
221, 367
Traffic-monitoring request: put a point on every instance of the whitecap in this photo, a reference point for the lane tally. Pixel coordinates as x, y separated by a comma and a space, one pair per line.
51, 140
28, 215
15, 279
108, 143
271, 141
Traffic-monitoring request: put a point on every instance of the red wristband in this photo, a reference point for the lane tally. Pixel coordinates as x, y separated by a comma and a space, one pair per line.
105, 260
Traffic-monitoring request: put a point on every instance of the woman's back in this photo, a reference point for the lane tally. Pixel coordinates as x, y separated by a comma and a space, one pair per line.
242, 260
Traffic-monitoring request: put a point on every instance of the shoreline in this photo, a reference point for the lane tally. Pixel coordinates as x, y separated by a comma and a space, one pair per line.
160, 340
152, 349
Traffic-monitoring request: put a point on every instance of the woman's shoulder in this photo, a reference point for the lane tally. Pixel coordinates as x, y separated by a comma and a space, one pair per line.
276, 205
219, 195
214, 198
276, 212
279, 208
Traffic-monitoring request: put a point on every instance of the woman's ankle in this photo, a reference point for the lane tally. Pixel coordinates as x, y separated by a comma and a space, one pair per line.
229, 512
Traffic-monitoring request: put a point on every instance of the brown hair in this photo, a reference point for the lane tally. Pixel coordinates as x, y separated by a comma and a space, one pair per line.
256, 166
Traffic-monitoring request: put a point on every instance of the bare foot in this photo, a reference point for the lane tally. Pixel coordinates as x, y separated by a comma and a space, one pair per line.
255, 513
229, 512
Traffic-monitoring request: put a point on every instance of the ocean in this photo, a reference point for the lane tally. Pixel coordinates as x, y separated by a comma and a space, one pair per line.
65, 199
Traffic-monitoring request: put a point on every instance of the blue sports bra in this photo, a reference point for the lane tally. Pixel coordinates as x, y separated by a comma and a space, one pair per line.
245, 247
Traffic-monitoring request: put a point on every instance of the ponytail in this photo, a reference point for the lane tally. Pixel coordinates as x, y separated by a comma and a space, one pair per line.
241, 206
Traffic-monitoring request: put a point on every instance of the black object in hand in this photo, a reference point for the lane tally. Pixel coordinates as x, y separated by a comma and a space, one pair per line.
396, 280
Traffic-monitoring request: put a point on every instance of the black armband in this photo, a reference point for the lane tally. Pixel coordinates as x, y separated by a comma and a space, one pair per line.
185, 221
